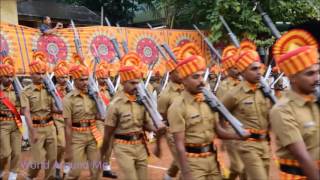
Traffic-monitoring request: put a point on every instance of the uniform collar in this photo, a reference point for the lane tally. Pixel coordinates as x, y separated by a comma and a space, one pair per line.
38, 87
299, 99
77, 92
124, 96
248, 87
103, 88
188, 97
176, 86
9, 88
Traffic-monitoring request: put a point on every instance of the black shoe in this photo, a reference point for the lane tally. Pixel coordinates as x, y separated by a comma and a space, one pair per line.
58, 176
109, 174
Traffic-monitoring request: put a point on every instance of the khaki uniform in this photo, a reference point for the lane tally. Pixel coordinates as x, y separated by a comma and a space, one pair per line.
59, 124
166, 97
197, 121
10, 136
294, 119
250, 107
129, 118
236, 164
81, 109
44, 151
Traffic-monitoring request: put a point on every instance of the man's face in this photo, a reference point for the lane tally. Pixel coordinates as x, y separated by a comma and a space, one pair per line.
62, 80
174, 76
102, 81
252, 74
47, 20
81, 83
194, 82
233, 72
6, 80
307, 80
130, 86
37, 78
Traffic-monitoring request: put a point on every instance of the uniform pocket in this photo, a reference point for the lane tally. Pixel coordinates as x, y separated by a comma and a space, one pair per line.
125, 121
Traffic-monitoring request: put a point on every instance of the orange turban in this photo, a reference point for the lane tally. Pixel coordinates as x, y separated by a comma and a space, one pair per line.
131, 67
191, 65
189, 49
295, 51
7, 67
61, 69
170, 64
39, 63
246, 58
102, 70
78, 69
229, 56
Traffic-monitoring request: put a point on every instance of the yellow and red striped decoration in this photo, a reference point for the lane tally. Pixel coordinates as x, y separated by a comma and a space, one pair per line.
7, 67
39, 63
247, 45
229, 55
130, 59
61, 69
246, 58
191, 65
295, 51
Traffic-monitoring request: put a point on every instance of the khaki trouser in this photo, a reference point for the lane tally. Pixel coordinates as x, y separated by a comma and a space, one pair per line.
174, 168
44, 152
204, 168
61, 139
236, 164
256, 159
107, 157
10, 145
85, 155
132, 159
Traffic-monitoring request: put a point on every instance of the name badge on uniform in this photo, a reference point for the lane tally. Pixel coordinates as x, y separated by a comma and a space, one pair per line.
195, 116
309, 124
248, 102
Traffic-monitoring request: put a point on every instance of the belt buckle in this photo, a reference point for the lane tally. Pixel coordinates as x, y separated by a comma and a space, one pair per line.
43, 121
205, 149
84, 124
10, 115
134, 137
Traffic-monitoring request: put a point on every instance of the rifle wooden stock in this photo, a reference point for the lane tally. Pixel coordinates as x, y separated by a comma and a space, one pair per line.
53, 92
150, 105
216, 105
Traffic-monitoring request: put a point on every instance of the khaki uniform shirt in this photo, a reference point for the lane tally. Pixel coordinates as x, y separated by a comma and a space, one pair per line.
11, 95
249, 107
196, 119
226, 85
39, 101
166, 97
127, 116
293, 119
79, 106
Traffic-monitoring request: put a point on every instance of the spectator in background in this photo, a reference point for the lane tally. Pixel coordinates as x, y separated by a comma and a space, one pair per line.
45, 27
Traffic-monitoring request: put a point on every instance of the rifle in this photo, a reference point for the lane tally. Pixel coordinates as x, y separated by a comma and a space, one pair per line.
77, 41
53, 92
216, 52
318, 94
266, 90
124, 42
146, 99
232, 36
267, 20
217, 106
92, 86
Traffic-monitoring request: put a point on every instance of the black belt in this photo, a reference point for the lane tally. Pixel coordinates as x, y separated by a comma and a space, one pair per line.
200, 149
44, 121
81, 124
291, 170
9, 115
133, 137
258, 136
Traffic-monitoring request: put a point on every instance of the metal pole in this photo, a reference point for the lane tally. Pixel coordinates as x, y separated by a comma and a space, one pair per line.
102, 14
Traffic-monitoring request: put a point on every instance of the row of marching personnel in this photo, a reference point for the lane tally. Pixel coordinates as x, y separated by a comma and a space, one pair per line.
188, 112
